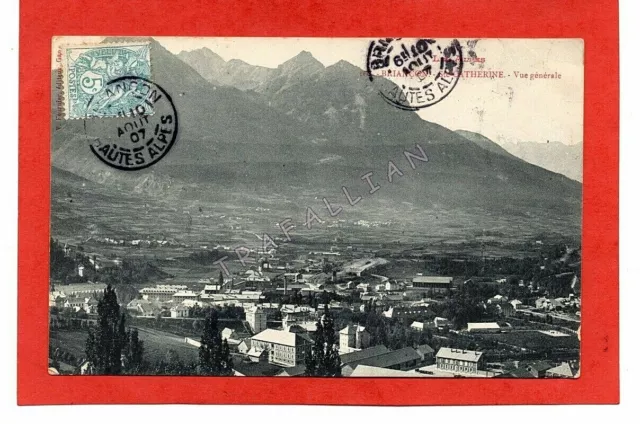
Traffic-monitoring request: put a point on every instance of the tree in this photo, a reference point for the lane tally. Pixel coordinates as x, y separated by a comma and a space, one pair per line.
134, 352
323, 360
214, 355
104, 345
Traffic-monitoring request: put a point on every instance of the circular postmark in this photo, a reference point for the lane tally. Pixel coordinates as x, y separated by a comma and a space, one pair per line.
412, 74
133, 121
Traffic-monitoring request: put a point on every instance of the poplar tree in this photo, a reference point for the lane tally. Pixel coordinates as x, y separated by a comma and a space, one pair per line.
214, 354
323, 360
104, 345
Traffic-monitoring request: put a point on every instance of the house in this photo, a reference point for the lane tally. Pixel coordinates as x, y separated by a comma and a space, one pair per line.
541, 303
354, 337
437, 284
441, 323
538, 369
459, 360
284, 348
483, 327
421, 326
363, 287
401, 359
74, 303
244, 346
497, 300
563, 370
229, 334
257, 354
427, 354
91, 305
506, 310
143, 307
180, 311
517, 305
391, 286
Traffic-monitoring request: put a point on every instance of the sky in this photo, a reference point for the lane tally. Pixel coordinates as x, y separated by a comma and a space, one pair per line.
508, 109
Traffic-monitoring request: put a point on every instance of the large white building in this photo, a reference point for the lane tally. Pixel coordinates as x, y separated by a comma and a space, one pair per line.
459, 360
353, 338
435, 283
284, 348
257, 319
162, 293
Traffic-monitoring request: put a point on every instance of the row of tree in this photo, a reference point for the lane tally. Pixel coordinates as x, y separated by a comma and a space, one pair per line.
112, 349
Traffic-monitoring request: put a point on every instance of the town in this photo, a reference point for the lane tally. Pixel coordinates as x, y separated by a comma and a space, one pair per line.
385, 313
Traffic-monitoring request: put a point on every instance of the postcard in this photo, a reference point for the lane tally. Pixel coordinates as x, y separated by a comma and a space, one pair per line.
316, 207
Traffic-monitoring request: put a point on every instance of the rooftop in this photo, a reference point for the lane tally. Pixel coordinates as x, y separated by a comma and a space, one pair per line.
392, 358
370, 371
483, 326
348, 358
279, 337
460, 354
432, 279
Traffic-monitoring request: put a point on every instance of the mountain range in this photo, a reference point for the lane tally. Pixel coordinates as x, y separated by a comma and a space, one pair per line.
303, 130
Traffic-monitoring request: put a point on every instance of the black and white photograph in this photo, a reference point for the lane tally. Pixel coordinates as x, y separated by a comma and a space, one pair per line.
316, 207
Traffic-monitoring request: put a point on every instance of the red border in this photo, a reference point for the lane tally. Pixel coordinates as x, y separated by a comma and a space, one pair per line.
593, 20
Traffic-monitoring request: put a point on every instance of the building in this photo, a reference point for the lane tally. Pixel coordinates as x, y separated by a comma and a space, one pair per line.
180, 311
210, 289
244, 346
293, 315
401, 359
162, 293
497, 300
284, 348
506, 309
517, 305
257, 319
459, 360
405, 311
427, 354
391, 286
441, 323
437, 284
483, 327
75, 303
297, 371
86, 289
563, 370
370, 371
183, 295
364, 266
354, 357
229, 334
143, 307
353, 337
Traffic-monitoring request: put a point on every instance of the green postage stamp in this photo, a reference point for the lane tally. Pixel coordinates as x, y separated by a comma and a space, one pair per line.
87, 70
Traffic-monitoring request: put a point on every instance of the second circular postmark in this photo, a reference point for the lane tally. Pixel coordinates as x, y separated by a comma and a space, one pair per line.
134, 123
413, 74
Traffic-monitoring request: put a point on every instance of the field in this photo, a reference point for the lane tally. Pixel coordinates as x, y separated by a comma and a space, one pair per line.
156, 344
